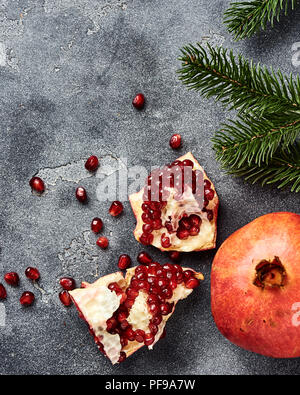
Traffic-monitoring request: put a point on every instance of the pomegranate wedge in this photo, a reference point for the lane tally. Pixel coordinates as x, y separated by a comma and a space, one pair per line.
177, 209
125, 313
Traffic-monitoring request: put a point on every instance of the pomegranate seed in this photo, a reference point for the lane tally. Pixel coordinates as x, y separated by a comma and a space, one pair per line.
154, 308
152, 299
207, 184
179, 277
65, 298
92, 163
182, 234
177, 268
81, 195
168, 267
37, 184
116, 208
175, 256
157, 224
195, 220
165, 308
130, 334
129, 303
139, 101
194, 231
210, 215
122, 316
188, 162
122, 357
144, 258
139, 335
132, 293
184, 223
153, 328
147, 228
192, 283
124, 325
187, 274
209, 194
27, 298
3, 293
124, 261
96, 225
165, 241
102, 242
123, 341
167, 293
156, 320
173, 284
175, 141
12, 278
153, 267
32, 273
146, 238
67, 283
111, 324
149, 339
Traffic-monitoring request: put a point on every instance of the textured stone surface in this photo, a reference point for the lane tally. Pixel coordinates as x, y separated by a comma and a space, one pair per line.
68, 72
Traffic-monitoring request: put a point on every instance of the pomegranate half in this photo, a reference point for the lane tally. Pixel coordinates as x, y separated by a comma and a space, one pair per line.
255, 286
177, 209
125, 313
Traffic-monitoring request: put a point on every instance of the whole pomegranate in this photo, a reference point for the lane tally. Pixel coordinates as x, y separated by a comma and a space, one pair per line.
255, 286
177, 208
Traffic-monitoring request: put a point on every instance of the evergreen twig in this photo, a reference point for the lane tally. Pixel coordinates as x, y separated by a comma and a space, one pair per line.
261, 144
244, 19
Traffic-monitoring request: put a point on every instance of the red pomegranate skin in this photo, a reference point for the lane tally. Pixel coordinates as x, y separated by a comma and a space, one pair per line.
262, 320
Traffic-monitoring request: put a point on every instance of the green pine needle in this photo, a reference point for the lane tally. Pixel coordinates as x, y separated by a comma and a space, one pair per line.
283, 170
261, 145
238, 83
244, 19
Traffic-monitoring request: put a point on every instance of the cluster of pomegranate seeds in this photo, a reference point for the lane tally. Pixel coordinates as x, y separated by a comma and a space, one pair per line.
144, 258
67, 283
3, 293
116, 208
139, 101
37, 184
92, 163
12, 278
124, 261
32, 273
102, 242
27, 298
175, 141
158, 282
96, 225
81, 195
180, 176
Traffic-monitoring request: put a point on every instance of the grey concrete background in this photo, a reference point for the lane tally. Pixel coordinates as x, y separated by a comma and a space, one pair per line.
68, 72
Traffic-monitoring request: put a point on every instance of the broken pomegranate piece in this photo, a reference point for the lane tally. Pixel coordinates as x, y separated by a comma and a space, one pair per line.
177, 208
124, 314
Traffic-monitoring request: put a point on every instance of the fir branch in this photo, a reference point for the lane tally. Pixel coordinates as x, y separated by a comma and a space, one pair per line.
244, 19
238, 83
250, 140
283, 170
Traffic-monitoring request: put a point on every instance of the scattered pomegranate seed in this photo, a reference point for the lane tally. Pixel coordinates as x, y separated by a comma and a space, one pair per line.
139, 101
96, 225
149, 339
81, 195
65, 298
175, 141
32, 273
92, 163
68, 283
3, 293
116, 208
192, 283
12, 278
144, 258
124, 261
27, 298
175, 256
37, 184
102, 242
